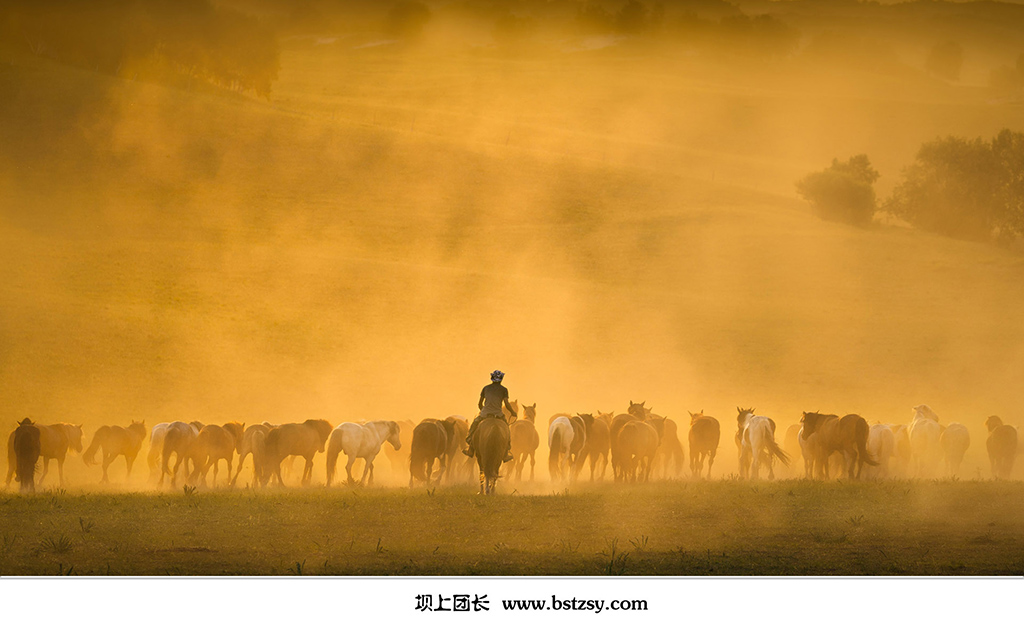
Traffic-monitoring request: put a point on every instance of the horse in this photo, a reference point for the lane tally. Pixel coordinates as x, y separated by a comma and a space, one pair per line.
828, 434
1002, 447
214, 443
430, 441
881, 446
598, 444
114, 441
363, 442
253, 442
54, 442
704, 435
525, 441
177, 440
399, 459
638, 443
615, 426
757, 439
27, 444
304, 440
670, 457
458, 465
954, 441
491, 440
156, 446
560, 437
924, 432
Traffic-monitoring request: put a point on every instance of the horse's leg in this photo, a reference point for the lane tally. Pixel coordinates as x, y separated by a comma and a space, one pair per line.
60, 470
307, 473
107, 459
46, 470
348, 468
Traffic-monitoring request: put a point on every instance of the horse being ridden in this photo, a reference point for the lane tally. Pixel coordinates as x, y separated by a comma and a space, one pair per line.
491, 441
360, 441
115, 441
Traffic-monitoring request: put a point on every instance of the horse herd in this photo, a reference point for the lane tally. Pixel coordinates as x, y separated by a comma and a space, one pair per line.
638, 444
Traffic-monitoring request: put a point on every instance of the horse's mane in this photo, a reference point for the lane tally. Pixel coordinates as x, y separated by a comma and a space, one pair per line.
811, 420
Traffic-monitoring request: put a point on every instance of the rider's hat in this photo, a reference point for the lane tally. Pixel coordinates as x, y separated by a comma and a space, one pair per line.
497, 375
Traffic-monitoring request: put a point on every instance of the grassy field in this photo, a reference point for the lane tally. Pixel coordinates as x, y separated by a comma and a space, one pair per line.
668, 528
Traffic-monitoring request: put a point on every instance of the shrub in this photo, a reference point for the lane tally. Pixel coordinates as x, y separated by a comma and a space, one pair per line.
843, 192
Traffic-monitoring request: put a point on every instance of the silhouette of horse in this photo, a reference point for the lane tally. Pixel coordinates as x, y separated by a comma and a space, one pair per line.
114, 441
55, 441
27, 450
636, 412
253, 442
756, 436
214, 443
304, 440
598, 444
525, 441
177, 440
1002, 447
491, 440
156, 447
704, 436
925, 449
430, 442
458, 465
638, 443
827, 434
670, 457
881, 446
954, 441
360, 442
560, 437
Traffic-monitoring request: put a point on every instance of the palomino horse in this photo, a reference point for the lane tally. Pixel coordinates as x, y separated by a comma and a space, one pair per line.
54, 441
214, 443
114, 441
954, 441
881, 446
924, 432
704, 436
491, 440
756, 437
827, 434
254, 442
430, 441
525, 441
360, 442
598, 444
177, 440
304, 440
560, 437
27, 450
1002, 447
638, 443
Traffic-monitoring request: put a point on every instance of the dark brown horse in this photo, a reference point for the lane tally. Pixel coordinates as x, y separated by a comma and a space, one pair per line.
115, 441
525, 441
430, 442
491, 441
827, 434
304, 440
598, 444
27, 450
704, 436
1002, 447
54, 441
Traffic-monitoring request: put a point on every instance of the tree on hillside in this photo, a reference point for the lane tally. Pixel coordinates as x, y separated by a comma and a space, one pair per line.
969, 189
843, 192
946, 60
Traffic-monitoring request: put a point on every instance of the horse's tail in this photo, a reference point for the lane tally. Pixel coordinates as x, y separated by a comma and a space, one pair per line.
555, 451
774, 449
89, 456
334, 446
12, 458
862, 432
258, 448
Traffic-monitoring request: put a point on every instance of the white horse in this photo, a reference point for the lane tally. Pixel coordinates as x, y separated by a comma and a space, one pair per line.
560, 435
924, 431
360, 441
881, 445
954, 441
756, 437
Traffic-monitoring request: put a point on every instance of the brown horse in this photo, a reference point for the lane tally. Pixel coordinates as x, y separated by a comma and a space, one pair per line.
638, 443
827, 434
214, 443
27, 442
669, 460
598, 444
254, 440
177, 440
114, 441
304, 440
1002, 447
430, 443
616, 425
704, 436
459, 466
525, 441
491, 440
54, 441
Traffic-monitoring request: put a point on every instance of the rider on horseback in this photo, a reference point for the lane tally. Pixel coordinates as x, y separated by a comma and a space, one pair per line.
492, 397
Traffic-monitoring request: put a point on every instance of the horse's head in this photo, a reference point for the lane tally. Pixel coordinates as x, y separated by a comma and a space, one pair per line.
637, 409
138, 428
25, 422
695, 417
530, 412
323, 430
743, 415
993, 422
923, 411
394, 437
588, 419
75, 437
